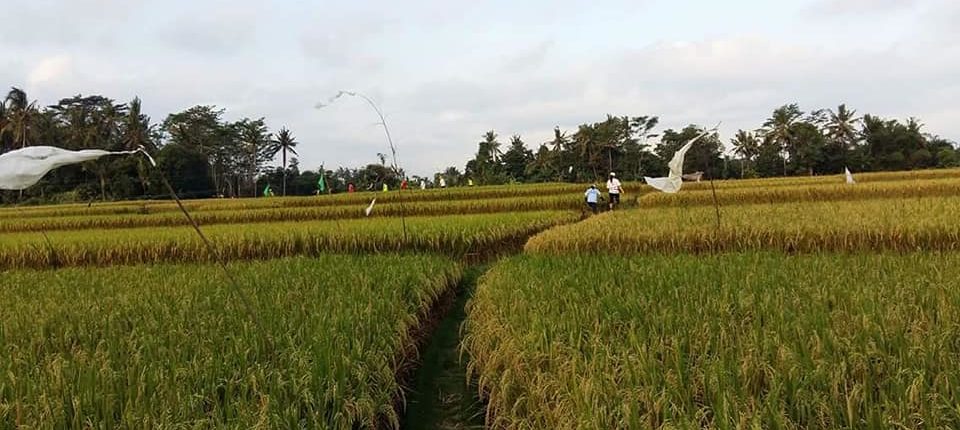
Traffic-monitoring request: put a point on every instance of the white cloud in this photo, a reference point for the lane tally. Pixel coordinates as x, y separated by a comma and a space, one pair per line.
49, 70
845, 7
445, 73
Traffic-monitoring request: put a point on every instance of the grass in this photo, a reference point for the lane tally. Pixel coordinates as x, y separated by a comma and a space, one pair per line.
441, 398
165, 347
752, 340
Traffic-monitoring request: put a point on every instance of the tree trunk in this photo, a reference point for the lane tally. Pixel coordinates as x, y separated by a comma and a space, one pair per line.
284, 172
103, 187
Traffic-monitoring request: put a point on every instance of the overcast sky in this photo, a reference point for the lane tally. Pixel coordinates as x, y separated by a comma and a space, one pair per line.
447, 71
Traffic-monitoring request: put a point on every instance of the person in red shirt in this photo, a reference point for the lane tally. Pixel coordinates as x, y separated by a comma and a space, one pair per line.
403, 184
350, 188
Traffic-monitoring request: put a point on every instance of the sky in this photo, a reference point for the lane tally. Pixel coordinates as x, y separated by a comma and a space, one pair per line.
446, 71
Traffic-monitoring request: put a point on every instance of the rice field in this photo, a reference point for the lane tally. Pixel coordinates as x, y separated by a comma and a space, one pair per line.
736, 340
167, 346
813, 304
351, 200
285, 214
457, 236
795, 303
905, 224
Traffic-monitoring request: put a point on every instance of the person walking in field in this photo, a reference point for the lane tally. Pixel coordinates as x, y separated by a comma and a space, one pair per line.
592, 196
613, 189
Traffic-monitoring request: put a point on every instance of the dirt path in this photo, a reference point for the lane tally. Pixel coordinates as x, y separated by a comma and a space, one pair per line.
440, 397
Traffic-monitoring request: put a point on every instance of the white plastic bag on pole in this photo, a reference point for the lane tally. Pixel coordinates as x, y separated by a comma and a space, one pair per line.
23, 168
674, 180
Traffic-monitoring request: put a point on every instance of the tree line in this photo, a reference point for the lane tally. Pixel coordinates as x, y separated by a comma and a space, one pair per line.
205, 155
790, 142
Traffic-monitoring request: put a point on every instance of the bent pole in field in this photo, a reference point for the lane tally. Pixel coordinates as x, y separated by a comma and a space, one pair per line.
386, 130
25, 167
218, 258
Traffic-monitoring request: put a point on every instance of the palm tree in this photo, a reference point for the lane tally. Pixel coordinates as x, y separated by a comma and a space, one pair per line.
778, 127
285, 142
746, 145
560, 142
136, 132
842, 126
20, 116
3, 127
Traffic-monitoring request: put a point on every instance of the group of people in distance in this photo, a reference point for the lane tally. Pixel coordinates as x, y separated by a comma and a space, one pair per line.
592, 196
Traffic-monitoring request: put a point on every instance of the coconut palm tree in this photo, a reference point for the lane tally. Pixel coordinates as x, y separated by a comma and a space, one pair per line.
284, 143
3, 127
778, 128
136, 132
20, 113
746, 145
842, 126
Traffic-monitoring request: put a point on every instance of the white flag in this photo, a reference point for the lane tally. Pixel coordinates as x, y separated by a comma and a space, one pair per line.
674, 180
849, 176
25, 167
370, 208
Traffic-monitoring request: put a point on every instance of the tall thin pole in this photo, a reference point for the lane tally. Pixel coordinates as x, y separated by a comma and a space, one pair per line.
393, 148
218, 258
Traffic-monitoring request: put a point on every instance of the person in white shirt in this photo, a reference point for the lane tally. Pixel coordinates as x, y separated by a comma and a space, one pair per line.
613, 188
591, 197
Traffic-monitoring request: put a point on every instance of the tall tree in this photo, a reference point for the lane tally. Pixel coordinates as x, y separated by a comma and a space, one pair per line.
486, 167
137, 132
516, 159
254, 141
777, 128
284, 143
20, 115
745, 144
559, 146
705, 155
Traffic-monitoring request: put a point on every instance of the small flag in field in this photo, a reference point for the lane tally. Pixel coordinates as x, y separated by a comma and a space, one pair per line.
322, 185
267, 192
370, 208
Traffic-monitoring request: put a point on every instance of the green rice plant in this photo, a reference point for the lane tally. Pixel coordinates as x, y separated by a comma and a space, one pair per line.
459, 235
730, 341
805, 193
165, 346
900, 225
425, 208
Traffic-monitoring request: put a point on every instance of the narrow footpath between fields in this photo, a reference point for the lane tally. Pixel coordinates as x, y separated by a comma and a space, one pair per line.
440, 397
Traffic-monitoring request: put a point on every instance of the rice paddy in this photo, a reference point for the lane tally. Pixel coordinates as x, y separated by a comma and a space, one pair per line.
164, 345
811, 304
741, 340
